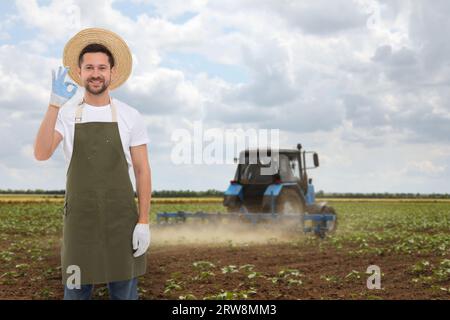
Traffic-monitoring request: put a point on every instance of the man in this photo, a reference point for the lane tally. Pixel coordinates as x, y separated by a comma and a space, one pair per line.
311, 193
105, 237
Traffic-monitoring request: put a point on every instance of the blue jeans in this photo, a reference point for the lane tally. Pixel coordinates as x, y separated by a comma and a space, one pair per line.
118, 290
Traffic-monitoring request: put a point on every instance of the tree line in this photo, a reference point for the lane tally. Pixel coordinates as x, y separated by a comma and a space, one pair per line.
218, 193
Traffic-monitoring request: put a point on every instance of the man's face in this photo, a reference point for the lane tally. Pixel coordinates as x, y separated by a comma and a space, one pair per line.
95, 72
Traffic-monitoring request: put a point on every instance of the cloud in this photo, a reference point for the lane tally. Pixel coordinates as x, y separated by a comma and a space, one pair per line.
163, 91
424, 167
323, 18
64, 14
24, 79
174, 8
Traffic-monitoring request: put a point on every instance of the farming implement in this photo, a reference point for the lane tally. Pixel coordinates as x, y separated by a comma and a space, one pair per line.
270, 187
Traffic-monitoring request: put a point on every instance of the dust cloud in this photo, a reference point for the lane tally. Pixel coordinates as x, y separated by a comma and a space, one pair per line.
230, 232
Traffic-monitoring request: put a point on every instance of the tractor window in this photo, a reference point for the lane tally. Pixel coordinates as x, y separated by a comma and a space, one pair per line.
295, 168
287, 173
251, 174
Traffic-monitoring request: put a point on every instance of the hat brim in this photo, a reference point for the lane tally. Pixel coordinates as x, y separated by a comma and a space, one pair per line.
118, 47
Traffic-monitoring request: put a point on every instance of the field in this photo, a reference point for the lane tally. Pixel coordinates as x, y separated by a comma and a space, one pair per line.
408, 240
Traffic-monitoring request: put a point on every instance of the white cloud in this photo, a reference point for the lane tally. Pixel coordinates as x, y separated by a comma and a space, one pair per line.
425, 167
55, 21
174, 8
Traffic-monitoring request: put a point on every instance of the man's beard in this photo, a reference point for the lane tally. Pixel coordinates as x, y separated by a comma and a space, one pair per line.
96, 91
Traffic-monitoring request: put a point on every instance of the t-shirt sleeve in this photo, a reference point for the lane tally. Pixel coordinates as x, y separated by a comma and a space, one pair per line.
59, 124
139, 131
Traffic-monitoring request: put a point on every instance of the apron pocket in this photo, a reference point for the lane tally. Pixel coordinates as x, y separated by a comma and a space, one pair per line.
82, 223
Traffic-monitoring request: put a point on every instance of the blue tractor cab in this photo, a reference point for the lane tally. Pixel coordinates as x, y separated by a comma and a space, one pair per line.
275, 183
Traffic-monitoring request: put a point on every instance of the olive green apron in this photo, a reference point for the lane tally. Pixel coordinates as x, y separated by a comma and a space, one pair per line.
100, 212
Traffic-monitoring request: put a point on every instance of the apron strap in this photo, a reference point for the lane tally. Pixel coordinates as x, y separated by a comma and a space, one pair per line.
79, 111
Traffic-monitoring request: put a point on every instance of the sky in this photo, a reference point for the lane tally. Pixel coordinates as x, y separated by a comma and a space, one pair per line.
363, 83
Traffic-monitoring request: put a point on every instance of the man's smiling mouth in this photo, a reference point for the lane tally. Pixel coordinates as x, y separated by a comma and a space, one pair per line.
96, 82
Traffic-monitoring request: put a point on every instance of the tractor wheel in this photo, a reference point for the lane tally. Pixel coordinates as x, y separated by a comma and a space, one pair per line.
331, 225
289, 202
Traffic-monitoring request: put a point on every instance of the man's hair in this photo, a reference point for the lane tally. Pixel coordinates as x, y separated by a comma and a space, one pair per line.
95, 47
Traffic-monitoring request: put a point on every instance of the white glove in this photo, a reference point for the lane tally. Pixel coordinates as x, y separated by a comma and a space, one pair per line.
60, 88
141, 238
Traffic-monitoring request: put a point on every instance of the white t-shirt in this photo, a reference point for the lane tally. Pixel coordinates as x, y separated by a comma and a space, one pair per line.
132, 129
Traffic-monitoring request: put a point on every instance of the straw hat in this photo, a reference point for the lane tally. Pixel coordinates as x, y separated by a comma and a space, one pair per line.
119, 49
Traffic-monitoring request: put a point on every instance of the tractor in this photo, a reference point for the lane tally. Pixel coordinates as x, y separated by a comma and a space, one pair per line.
271, 185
